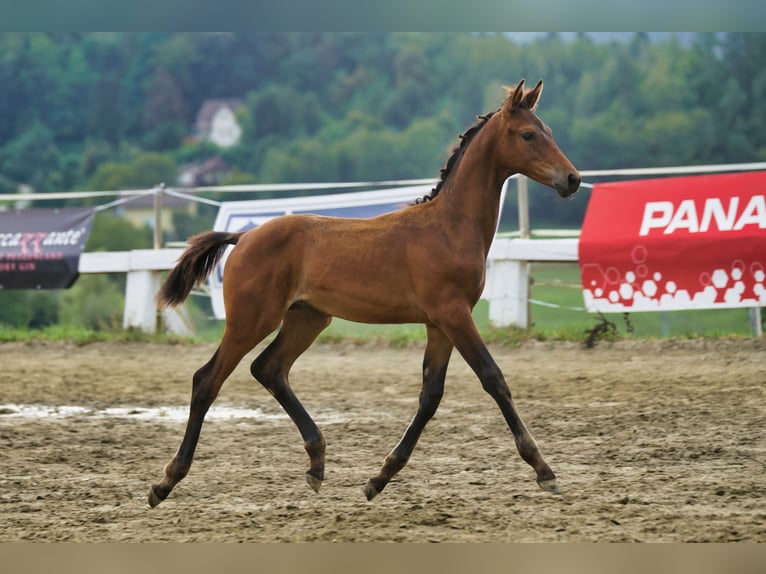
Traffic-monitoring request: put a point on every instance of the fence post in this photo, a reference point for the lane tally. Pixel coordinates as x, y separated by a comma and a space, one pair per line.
522, 185
755, 321
505, 293
158, 216
507, 283
157, 245
524, 314
140, 289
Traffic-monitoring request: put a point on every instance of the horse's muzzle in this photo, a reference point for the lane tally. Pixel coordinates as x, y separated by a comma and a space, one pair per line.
570, 185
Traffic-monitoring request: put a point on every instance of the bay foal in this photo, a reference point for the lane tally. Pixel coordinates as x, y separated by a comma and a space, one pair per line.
422, 264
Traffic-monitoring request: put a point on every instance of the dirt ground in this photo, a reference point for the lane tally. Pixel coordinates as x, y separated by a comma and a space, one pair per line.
651, 440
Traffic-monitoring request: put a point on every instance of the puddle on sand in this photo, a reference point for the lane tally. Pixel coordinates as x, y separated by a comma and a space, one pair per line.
153, 414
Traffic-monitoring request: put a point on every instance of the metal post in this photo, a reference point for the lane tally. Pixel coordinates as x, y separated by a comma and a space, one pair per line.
755, 321
158, 245
665, 325
158, 216
524, 233
523, 188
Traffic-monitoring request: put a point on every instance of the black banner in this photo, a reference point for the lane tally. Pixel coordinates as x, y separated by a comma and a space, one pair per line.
40, 248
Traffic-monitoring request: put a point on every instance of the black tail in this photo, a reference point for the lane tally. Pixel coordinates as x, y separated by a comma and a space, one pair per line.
196, 263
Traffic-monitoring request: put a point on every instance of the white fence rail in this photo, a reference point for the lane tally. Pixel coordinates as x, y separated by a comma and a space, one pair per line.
506, 290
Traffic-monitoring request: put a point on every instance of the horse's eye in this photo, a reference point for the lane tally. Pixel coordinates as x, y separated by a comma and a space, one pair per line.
528, 136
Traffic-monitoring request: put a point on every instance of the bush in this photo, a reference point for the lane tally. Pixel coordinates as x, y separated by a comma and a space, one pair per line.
94, 302
34, 309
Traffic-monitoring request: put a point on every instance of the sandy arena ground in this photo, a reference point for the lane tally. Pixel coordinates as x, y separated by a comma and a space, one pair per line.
651, 440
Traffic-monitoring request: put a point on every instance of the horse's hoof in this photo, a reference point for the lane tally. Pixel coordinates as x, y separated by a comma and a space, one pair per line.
370, 491
314, 482
154, 500
550, 485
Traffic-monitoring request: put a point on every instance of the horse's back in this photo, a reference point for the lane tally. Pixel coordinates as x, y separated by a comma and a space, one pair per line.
357, 269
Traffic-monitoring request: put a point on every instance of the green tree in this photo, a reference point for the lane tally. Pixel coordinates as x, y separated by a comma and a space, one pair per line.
107, 113
34, 158
666, 136
7, 185
304, 160
94, 153
165, 113
274, 118
9, 96
280, 110
422, 148
93, 302
113, 233
368, 155
33, 309
412, 96
145, 170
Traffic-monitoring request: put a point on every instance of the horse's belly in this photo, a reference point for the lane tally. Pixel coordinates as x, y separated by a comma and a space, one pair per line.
369, 310
366, 303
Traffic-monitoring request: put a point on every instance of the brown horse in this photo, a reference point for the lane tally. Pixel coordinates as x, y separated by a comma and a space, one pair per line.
422, 264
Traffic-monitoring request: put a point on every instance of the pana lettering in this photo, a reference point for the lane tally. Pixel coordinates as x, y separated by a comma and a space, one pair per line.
670, 218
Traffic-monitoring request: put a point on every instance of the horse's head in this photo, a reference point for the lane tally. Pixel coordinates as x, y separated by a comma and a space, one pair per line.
527, 144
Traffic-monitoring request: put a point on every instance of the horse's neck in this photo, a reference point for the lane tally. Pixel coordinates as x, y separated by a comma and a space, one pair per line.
472, 194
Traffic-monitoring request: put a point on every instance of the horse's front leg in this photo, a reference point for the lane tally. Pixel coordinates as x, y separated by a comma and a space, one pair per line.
435, 361
460, 328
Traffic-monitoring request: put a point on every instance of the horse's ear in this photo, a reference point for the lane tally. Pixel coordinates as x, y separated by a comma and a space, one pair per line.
533, 96
515, 96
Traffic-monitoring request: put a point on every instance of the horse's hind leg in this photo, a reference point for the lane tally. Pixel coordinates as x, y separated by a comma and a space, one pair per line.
301, 325
206, 384
435, 361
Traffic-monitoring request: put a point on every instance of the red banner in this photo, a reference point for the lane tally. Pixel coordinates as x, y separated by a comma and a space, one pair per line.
676, 243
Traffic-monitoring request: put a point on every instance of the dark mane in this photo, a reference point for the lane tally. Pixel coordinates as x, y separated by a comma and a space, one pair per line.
465, 139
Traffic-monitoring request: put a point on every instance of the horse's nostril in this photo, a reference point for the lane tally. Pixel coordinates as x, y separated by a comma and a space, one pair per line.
574, 180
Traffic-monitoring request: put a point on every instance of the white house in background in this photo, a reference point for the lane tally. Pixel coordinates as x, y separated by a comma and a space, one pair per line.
217, 122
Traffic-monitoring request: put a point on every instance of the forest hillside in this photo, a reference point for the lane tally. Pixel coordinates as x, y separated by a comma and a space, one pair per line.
105, 111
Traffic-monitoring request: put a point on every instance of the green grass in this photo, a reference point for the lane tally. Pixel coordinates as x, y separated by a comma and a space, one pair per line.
83, 336
559, 283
